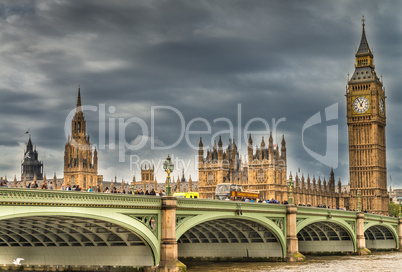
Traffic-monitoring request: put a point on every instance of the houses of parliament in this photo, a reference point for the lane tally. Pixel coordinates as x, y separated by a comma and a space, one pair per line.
265, 169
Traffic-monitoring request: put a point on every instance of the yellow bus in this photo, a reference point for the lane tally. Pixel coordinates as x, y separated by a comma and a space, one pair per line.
187, 195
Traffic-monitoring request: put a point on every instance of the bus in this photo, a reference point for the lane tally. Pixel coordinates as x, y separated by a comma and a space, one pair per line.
187, 195
233, 191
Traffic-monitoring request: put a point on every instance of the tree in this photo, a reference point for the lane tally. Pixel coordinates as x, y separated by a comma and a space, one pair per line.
393, 209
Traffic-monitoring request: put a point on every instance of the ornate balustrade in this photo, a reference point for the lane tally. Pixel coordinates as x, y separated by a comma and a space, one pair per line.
26, 197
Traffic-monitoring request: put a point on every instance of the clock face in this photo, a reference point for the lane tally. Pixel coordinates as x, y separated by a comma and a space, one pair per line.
381, 105
361, 104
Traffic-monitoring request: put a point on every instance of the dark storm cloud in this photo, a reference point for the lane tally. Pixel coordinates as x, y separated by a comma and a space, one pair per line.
277, 59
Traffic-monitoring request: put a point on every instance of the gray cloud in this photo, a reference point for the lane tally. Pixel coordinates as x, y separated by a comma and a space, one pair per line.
275, 58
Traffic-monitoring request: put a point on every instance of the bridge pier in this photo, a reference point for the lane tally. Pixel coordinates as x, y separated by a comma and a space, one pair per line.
292, 243
360, 239
169, 248
400, 233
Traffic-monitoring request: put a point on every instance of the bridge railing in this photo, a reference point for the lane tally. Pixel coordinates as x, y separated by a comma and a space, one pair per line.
381, 218
301, 210
13, 196
224, 205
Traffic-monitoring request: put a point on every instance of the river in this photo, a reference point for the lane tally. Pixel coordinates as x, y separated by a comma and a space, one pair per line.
378, 261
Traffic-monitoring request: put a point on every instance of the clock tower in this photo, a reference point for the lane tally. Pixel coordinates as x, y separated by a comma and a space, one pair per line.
366, 118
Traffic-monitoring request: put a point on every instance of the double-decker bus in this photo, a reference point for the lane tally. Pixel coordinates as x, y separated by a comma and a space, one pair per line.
233, 191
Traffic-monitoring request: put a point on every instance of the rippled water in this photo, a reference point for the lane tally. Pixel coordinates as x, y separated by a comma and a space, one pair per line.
379, 261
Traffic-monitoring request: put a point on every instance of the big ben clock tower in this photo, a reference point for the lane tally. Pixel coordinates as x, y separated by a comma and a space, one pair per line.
366, 118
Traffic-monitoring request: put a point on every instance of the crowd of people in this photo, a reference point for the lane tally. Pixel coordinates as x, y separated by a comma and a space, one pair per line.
152, 192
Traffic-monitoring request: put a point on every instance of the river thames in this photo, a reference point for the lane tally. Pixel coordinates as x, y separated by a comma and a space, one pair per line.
378, 261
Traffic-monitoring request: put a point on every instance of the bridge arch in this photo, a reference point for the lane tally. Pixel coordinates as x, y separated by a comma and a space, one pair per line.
380, 236
325, 235
241, 230
70, 230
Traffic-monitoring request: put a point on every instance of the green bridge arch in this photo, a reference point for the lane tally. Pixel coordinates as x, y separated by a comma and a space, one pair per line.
391, 227
324, 219
264, 221
111, 216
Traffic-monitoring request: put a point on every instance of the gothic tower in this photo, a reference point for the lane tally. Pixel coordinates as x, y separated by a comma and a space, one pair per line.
365, 100
31, 166
80, 165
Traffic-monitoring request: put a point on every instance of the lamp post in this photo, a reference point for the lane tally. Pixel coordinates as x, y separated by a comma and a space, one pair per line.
168, 166
290, 184
359, 207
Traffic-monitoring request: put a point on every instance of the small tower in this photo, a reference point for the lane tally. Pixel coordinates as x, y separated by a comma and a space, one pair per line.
271, 146
55, 180
200, 152
283, 148
220, 150
178, 185
190, 184
250, 149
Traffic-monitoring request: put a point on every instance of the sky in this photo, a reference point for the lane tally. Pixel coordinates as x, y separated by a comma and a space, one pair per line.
157, 75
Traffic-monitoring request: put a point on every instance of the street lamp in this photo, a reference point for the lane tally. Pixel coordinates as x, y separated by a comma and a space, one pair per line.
168, 166
290, 184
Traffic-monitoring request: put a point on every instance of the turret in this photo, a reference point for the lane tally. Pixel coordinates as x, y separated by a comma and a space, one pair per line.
234, 152
283, 148
29, 145
220, 150
190, 184
331, 181
319, 184
96, 159
214, 152
339, 186
261, 156
178, 185
271, 146
250, 149
314, 184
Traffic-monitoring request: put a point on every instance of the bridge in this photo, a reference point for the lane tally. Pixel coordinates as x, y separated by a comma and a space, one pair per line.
61, 228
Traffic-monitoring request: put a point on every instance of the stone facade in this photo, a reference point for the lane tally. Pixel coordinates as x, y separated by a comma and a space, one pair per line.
80, 164
366, 118
264, 172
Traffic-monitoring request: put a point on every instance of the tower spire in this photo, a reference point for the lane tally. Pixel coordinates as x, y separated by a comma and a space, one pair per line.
29, 145
79, 99
364, 48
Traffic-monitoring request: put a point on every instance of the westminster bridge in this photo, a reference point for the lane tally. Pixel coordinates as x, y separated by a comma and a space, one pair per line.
62, 228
